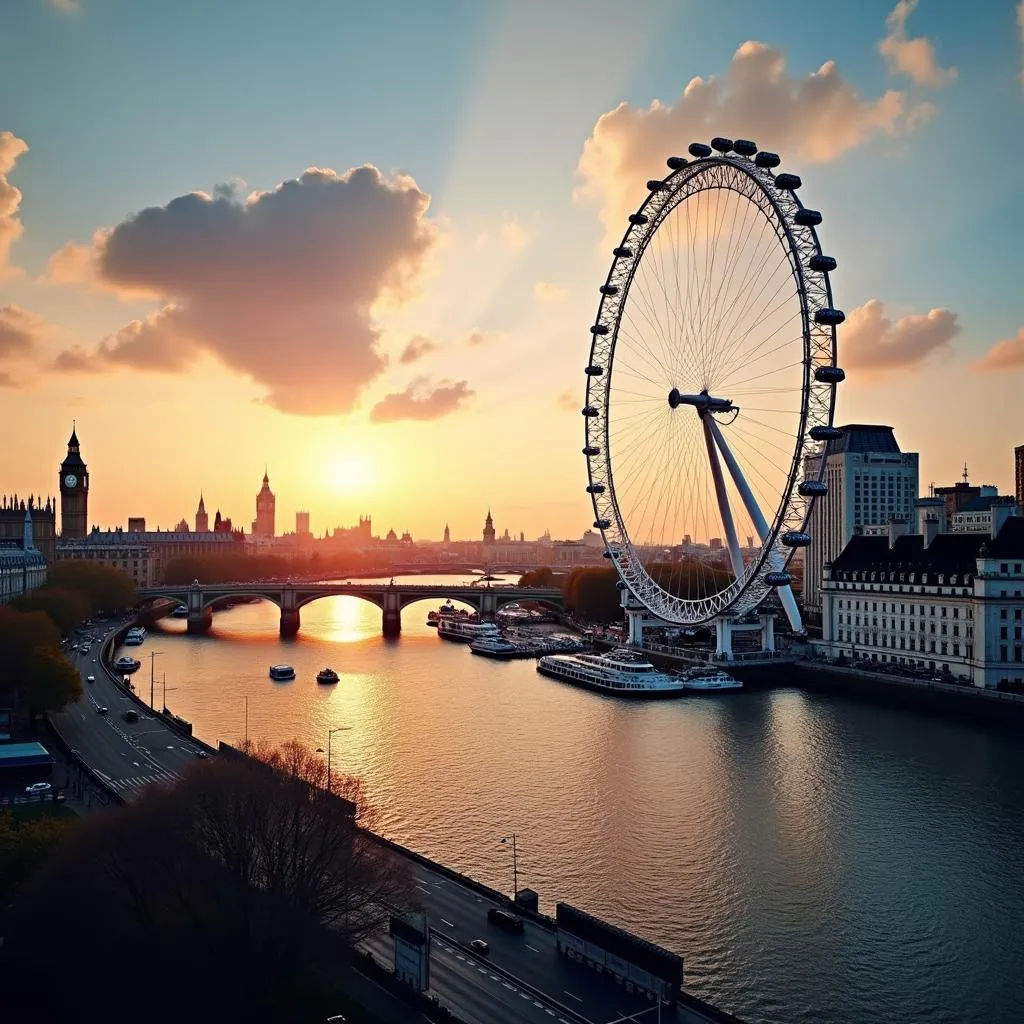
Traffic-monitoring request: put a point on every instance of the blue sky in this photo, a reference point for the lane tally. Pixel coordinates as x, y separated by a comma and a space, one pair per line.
126, 105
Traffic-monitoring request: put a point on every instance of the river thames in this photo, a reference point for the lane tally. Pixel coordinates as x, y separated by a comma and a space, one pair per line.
812, 858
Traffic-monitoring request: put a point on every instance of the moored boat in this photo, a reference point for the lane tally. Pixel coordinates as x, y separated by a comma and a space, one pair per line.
282, 672
622, 672
491, 643
126, 664
327, 676
709, 680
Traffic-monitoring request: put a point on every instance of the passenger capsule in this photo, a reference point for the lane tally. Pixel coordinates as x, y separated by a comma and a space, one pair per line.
607, 554
822, 264
656, 185
594, 371
599, 329
620, 585
595, 489
813, 488
590, 411
788, 182
602, 524
722, 145
745, 147
698, 149
609, 289
825, 433
830, 375
590, 451
796, 539
677, 163
829, 317
638, 218
807, 218
623, 252
766, 159
778, 579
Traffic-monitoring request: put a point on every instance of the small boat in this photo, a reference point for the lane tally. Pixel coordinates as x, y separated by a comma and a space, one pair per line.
126, 664
327, 675
282, 672
181, 612
706, 680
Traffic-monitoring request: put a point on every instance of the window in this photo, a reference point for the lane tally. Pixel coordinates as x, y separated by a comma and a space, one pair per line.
1002, 654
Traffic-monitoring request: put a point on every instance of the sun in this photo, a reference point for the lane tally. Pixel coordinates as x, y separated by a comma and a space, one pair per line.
350, 473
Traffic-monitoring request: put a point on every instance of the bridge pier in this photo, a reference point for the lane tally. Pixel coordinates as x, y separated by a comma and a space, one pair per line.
289, 621
392, 622
199, 621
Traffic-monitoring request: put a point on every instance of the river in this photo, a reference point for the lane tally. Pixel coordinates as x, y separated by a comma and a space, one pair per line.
813, 858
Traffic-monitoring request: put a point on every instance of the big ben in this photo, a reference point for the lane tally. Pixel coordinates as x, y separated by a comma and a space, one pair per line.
74, 493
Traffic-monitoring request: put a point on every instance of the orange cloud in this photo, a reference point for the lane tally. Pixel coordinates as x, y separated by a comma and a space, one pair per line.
567, 401
813, 119
417, 348
420, 402
545, 291
1003, 355
21, 334
278, 286
874, 344
11, 228
914, 58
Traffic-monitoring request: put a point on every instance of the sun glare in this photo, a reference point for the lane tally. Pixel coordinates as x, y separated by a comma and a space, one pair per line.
350, 473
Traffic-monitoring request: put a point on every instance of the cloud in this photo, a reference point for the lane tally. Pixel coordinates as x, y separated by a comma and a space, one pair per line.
872, 343
545, 291
513, 235
67, 6
477, 338
20, 331
567, 401
813, 119
11, 228
419, 402
1003, 355
914, 58
418, 347
278, 286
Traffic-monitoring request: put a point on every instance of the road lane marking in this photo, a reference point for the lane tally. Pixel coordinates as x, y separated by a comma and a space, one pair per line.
423, 888
449, 923
524, 995
538, 1004
534, 948
511, 988
102, 775
571, 996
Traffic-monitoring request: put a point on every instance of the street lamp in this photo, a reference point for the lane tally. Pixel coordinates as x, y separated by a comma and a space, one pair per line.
152, 678
515, 865
320, 750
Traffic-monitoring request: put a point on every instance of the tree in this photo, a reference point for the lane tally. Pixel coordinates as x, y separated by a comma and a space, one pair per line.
105, 588
24, 848
542, 577
22, 634
52, 682
66, 608
592, 594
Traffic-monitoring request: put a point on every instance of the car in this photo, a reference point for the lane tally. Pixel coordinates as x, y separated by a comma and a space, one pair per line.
94, 661
201, 754
90, 679
39, 787
130, 715
480, 946
101, 710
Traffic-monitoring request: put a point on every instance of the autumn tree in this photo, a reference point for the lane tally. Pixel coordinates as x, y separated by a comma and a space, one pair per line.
66, 608
21, 635
105, 588
542, 577
51, 683
593, 595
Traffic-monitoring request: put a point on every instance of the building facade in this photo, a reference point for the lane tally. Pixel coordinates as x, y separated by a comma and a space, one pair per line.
951, 604
489, 537
1018, 472
74, 493
44, 523
119, 550
302, 524
266, 505
22, 565
976, 515
869, 481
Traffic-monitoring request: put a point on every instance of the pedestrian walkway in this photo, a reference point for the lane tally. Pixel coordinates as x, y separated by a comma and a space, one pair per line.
140, 781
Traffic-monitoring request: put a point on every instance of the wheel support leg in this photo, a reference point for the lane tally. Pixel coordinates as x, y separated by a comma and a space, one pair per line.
735, 556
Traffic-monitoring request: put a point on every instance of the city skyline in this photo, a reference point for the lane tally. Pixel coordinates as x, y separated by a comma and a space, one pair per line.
481, 297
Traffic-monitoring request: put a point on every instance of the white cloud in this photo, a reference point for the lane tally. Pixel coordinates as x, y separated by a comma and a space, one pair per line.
1004, 355
873, 344
11, 228
913, 57
420, 401
813, 119
545, 291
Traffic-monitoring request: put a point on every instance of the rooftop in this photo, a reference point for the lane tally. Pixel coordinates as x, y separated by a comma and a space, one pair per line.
864, 437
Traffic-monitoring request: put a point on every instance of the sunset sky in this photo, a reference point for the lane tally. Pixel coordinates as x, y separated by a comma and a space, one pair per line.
361, 244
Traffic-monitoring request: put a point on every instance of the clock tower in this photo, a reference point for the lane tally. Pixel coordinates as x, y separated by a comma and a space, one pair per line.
74, 493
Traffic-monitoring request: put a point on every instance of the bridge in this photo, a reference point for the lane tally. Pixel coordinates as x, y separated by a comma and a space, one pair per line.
391, 598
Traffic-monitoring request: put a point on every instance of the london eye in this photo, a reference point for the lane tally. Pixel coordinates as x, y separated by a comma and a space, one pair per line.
711, 386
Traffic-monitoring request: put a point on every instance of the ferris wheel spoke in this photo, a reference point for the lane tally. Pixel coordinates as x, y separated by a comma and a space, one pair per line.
646, 339
748, 358
636, 336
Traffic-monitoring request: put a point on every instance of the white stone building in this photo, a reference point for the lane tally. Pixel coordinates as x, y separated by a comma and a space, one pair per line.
22, 566
869, 481
948, 603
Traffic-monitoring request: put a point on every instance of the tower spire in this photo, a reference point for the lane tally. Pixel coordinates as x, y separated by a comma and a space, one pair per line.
965, 472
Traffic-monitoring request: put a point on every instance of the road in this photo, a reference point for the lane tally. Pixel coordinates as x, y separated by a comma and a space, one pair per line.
516, 968
128, 756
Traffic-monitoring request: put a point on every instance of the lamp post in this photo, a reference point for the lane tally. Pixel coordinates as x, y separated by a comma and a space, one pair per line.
330, 734
515, 865
152, 678
247, 724
164, 698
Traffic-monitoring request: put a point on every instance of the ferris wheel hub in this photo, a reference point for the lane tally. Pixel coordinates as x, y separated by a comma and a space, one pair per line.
702, 403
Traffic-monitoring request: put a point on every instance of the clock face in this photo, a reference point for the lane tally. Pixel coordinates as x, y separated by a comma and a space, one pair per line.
70, 480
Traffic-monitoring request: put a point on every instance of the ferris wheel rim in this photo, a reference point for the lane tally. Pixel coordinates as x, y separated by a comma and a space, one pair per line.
795, 229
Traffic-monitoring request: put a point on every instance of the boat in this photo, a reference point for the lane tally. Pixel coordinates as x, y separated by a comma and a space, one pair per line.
181, 612
433, 618
126, 664
459, 628
327, 675
282, 672
491, 643
623, 672
134, 636
705, 680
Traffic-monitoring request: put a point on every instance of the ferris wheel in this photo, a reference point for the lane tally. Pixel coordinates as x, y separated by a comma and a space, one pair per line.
711, 387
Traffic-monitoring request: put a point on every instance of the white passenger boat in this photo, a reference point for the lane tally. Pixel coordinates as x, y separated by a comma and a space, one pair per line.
491, 643
623, 672
709, 680
459, 628
282, 672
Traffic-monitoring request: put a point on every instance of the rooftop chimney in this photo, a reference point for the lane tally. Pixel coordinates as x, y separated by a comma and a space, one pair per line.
1002, 510
931, 518
898, 527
